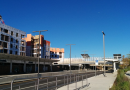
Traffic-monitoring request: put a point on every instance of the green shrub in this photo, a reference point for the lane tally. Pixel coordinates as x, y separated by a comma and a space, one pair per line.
125, 86
121, 82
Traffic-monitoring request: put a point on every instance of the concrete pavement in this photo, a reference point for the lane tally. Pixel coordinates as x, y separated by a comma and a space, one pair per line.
95, 83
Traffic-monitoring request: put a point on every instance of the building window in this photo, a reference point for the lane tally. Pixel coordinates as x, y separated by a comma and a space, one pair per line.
16, 53
52, 55
11, 39
5, 30
16, 34
12, 33
6, 38
0, 42
11, 45
5, 45
1, 29
55, 52
55, 55
10, 51
22, 36
16, 46
16, 41
2, 37
35, 40
60, 56
60, 52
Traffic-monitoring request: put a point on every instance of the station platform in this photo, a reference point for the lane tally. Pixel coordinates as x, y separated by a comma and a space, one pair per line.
98, 82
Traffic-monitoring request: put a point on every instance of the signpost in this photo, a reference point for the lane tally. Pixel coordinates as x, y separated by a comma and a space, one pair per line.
96, 63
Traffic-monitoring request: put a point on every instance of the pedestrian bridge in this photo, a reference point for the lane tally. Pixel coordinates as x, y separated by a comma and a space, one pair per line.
109, 61
90, 60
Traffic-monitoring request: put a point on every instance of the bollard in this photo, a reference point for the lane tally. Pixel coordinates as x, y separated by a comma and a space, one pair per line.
74, 77
82, 81
38, 84
11, 85
76, 83
86, 79
70, 78
47, 83
78, 77
35, 86
64, 79
56, 83
67, 83
19, 88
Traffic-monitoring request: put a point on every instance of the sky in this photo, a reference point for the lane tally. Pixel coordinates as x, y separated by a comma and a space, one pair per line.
78, 22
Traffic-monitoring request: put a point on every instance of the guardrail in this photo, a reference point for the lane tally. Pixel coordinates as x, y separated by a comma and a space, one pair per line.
9, 78
66, 79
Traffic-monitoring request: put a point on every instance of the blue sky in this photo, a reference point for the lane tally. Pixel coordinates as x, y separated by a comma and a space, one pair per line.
79, 22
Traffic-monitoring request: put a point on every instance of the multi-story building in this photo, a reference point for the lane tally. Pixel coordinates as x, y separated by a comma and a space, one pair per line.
46, 49
33, 46
57, 53
11, 41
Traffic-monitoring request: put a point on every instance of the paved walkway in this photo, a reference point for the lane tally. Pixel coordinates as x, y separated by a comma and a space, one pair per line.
95, 83
128, 74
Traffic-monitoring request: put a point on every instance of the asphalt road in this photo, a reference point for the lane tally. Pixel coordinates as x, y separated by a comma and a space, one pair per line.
61, 80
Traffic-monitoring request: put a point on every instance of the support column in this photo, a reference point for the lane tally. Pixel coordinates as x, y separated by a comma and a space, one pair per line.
51, 66
79, 67
44, 66
25, 66
102, 68
10, 66
84, 66
114, 66
35, 66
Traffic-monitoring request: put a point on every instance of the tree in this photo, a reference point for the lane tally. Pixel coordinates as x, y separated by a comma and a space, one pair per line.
128, 56
125, 61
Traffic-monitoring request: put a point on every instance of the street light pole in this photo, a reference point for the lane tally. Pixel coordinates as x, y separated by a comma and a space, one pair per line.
39, 52
70, 55
104, 51
70, 60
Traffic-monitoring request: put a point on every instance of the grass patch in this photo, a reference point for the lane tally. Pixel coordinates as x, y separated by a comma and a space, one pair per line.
121, 82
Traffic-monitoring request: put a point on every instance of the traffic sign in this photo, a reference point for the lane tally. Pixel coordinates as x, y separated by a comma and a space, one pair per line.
96, 62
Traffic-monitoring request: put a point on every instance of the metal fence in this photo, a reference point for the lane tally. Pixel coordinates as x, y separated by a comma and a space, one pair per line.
66, 80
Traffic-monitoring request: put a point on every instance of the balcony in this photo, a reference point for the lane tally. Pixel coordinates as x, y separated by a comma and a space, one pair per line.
4, 37
22, 49
23, 43
1, 47
36, 46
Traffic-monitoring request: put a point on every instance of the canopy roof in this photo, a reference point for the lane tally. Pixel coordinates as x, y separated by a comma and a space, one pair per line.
24, 58
112, 60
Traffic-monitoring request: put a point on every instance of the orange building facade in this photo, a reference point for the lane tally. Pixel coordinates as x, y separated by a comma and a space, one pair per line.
33, 49
57, 53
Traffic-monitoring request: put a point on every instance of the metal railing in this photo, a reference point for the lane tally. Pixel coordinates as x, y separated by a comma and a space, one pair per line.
65, 79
